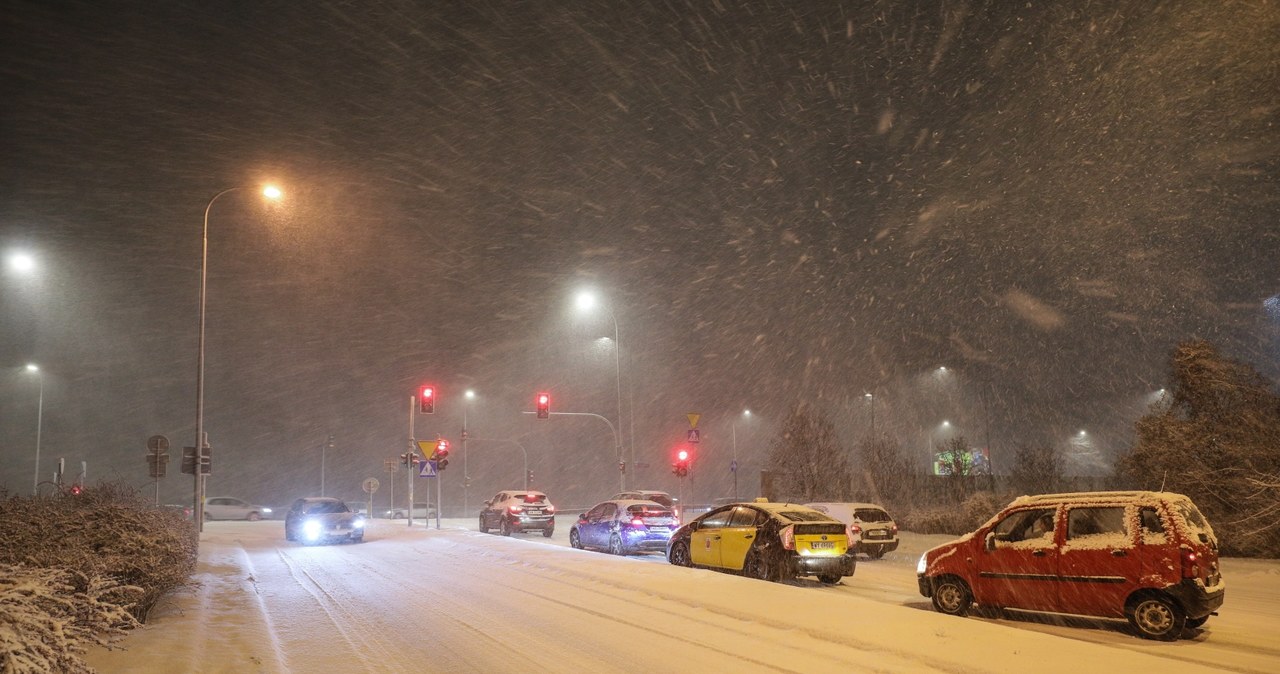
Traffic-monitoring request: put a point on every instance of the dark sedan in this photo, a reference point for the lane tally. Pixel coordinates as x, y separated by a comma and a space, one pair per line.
624, 526
319, 519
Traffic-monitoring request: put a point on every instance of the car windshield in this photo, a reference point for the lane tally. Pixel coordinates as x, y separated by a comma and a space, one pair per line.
804, 516
660, 498
648, 511
871, 515
324, 507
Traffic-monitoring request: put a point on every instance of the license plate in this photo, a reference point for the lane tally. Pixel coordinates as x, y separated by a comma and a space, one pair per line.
822, 545
875, 534
662, 529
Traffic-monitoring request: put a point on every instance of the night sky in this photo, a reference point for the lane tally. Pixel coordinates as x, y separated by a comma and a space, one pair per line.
780, 202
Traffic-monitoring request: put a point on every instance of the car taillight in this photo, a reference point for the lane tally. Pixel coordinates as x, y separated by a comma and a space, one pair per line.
788, 537
516, 509
1190, 565
894, 529
854, 531
550, 508
637, 522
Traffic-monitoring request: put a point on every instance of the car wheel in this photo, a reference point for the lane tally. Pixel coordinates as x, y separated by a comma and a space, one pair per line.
829, 579
484, 528
548, 533
1156, 617
758, 566
680, 555
505, 527
615, 545
288, 535
1193, 623
207, 516
952, 596
876, 552
574, 540
254, 517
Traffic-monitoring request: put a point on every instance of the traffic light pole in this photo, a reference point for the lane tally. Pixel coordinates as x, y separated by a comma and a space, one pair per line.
412, 447
617, 442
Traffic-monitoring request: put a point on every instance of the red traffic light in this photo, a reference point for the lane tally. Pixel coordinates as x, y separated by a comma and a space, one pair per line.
682, 455
427, 399
544, 405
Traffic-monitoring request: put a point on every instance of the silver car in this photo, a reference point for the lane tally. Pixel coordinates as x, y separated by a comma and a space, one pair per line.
871, 530
231, 508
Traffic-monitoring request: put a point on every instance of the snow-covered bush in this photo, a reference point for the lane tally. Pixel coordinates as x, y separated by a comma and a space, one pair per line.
973, 512
46, 623
77, 570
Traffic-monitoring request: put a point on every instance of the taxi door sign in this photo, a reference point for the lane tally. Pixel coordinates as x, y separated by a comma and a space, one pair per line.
427, 469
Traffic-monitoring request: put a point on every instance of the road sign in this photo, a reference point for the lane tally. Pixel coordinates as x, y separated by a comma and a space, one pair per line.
693, 418
693, 436
369, 485
427, 469
426, 447
158, 443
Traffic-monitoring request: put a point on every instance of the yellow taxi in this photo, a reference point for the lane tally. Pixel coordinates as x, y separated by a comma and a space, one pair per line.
769, 541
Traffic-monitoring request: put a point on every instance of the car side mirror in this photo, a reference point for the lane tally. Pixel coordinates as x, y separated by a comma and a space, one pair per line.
991, 541
582, 517
693, 526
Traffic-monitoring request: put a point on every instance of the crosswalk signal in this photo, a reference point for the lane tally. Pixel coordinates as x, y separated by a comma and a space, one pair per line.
427, 399
544, 405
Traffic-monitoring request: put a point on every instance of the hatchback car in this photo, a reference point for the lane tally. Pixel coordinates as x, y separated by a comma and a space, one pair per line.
1149, 557
320, 519
659, 497
624, 526
230, 508
419, 511
871, 530
769, 541
518, 511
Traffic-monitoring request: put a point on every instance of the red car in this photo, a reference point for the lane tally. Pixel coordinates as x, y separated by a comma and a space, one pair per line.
1149, 557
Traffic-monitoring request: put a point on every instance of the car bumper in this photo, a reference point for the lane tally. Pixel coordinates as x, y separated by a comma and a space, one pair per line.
1195, 600
533, 524
650, 540
887, 545
822, 566
926, 585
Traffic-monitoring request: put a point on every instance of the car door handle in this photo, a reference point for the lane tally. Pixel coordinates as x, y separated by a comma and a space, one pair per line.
715, 538
1118, 553
749, 536
1038, 553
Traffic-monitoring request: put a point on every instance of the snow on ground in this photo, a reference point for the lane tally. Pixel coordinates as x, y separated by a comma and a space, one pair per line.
454, 600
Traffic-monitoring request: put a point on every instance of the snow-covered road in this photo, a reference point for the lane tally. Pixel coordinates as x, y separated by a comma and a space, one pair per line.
455, 600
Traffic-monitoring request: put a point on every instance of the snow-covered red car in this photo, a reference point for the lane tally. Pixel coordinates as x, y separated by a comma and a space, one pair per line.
1149, 557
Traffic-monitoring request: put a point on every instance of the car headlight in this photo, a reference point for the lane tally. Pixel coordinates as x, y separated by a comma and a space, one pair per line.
922, 565
266, 511
357, 523
311, 529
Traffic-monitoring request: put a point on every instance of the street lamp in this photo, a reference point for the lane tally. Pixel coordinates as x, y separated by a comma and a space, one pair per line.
466, 477
23, 263
586, 301
871, 403
32, 367
746, 414
271, 192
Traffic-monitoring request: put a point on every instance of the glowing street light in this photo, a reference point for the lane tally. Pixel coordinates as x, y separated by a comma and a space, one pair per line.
746, 414
270, 192
586, 301
22, 262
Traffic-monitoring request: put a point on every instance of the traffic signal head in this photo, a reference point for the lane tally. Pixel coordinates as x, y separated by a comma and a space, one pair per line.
427, 399
682, 455
441, 454
544, 405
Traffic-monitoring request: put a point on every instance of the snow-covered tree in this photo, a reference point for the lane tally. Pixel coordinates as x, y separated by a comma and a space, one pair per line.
1037, 469
806, 460
882, 470
1218, 441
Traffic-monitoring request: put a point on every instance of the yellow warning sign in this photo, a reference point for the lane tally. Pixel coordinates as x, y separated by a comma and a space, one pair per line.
693, 419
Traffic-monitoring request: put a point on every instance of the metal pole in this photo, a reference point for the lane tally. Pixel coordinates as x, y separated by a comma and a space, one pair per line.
35, 487
412, 448
198, 510
466, 477
617, 371
616, 439
734, 427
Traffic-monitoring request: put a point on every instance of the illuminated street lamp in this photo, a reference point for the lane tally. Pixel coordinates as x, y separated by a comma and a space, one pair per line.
270, 192
586, 301
32, 367
746, 414
22, 262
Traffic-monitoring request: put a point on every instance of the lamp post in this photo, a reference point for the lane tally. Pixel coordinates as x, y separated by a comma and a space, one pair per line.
734, 468
466, 477
871, 403
270, 192
32, 367
587, 301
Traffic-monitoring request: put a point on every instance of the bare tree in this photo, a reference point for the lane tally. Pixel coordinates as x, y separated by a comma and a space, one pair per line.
806, 461
1036, 469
